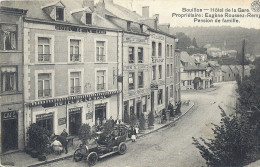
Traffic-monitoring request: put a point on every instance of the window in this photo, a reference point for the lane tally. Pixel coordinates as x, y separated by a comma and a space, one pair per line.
88, 18
101, 76
44, 85
75, 86
140, 55
8, 79
100, 51
75, 51
140, 79
168, 70
171, 91
159, 49
171, 51
44, 54
171, 70
153, 49
160, 71
154, 73
8, 37
132, 106
45, 121
144, 103
168, 51
160, 96
60, 13
131, 80
131, 55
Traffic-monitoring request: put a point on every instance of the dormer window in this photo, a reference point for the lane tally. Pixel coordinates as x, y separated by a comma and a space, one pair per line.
88, 18
60, 13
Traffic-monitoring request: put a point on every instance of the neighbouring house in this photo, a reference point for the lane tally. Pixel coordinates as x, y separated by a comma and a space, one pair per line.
194, 75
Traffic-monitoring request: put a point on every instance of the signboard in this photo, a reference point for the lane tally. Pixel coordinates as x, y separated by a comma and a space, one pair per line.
139, 67
44, 116
131, 39
79, 29
157, 60
75, 110
62, 121
89, 115
9, 115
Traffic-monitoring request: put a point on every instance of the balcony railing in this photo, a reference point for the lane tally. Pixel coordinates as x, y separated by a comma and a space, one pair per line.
75, 57
44, 57
131, 61
140, 61
75, 89
131, 86
44, 93
101, 86
100, 58
140, 85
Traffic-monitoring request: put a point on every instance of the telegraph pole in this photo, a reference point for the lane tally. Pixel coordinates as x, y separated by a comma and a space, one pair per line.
243, 59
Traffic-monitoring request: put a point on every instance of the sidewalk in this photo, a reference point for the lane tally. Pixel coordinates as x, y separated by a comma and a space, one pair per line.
23, 159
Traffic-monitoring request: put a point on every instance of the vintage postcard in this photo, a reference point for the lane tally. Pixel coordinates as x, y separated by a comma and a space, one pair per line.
130, 83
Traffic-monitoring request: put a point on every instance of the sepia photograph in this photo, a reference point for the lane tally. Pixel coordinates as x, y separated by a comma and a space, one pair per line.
130, 83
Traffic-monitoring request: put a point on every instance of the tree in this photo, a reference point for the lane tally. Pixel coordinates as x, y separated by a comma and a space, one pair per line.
233, 144
85, 133
194, 42
38, 137
184, 40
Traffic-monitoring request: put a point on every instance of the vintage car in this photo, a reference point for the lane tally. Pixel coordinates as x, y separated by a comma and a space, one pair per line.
104, 145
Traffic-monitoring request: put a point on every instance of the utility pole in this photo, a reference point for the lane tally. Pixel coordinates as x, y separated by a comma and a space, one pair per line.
243, 59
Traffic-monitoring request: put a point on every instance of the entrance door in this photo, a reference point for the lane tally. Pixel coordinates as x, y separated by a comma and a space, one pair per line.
138, 109
152, 101
9, 131
100, 112
74, 121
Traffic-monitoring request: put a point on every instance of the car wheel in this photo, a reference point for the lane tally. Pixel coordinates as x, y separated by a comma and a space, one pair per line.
92, 158
77, 155
122, 148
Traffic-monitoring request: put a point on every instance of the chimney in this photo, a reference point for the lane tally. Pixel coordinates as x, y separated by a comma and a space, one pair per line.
156, 16
145, 11
88, 3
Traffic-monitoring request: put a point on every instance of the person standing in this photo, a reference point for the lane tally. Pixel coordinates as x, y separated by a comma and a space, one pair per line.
133, 132
63, 139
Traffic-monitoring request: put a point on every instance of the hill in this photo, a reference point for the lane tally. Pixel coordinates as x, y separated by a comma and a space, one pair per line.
226, 37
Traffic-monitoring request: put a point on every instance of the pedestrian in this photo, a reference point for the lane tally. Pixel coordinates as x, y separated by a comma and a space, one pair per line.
137, 131
112, 121
133, 134
56, 146
63, 139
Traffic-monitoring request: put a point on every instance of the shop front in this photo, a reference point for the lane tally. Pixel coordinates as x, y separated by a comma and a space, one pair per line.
9, 130
45, 121
100, 113
75, 119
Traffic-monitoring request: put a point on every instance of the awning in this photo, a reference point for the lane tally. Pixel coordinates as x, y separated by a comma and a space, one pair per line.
74, 99
197, 80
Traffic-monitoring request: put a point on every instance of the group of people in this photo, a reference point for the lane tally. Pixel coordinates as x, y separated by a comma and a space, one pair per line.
134, 131
59, 142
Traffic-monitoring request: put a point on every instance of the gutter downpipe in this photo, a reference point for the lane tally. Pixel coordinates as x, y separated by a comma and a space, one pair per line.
122, 45
23, 98
117, 86
166, 73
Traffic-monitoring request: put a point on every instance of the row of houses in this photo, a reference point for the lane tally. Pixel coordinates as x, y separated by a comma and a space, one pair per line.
199, 73
64, 63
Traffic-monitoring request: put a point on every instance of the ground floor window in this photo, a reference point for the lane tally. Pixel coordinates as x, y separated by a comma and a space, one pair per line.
132, 106
45, 121
160, 96
144, 101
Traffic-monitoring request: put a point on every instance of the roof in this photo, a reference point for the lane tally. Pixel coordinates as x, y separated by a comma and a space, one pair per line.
35, 11
189, 63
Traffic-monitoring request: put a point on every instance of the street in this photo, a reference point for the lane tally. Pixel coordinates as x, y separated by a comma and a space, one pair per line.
172, 146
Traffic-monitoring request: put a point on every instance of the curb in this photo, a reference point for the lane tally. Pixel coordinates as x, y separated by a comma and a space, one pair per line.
127, 140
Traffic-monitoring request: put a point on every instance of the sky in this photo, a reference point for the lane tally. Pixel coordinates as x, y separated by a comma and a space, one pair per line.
165, 8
